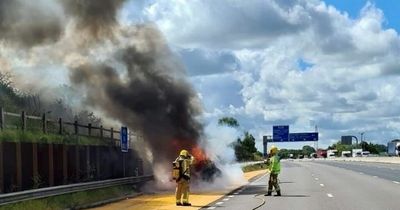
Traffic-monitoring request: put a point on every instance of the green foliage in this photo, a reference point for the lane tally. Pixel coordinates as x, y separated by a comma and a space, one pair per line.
373, 148
308, 150
39, 137
73, 200
245, 150
254, 167
228, 121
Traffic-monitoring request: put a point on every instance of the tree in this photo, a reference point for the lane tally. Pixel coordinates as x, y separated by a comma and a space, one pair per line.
245, 149
228, 121
307, 150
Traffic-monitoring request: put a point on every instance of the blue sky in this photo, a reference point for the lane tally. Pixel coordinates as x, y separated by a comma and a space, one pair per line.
390, 8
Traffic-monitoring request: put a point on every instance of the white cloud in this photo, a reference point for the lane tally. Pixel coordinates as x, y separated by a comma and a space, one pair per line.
352, 85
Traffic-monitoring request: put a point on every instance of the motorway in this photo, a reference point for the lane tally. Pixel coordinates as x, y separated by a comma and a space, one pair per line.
322, 184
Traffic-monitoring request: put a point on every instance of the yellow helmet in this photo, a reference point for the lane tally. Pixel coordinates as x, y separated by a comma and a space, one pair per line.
273, 149
184, 153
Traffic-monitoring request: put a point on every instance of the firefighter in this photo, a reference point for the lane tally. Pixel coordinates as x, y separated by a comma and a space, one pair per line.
183, 162
274, 167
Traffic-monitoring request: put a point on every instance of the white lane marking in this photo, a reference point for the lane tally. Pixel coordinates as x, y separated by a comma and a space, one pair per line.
375, 176
212, 207
329, 195
312, 174
231, 196
361, 173
396, 182
219, 203
225, 199
236, 193
322, 185
316, 179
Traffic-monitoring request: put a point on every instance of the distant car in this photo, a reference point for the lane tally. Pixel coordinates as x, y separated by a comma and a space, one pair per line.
301, 156
314, 155
365, 154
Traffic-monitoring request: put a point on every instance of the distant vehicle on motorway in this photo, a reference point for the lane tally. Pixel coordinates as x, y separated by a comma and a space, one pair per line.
357, 152
365, 153
332, 153
393, 148
313, 155
346, 153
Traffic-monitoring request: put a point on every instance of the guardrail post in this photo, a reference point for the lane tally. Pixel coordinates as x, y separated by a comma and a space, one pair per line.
2, 126
90, 129
76, 127
35, 171
44, 123
65, 163
101, 132
1, 169
23, 116
51, 165
19, 164
60, 126
112, 135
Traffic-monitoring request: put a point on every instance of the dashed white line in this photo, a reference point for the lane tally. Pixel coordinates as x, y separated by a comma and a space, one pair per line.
316, 179
212, 207
231, 196
322, 185
225, 199
361, 173
375, 176
236, 193
396, 182
219, 203
329, 195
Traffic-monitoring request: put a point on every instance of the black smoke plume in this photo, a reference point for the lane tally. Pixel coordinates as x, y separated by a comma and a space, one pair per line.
29, 23
152, 96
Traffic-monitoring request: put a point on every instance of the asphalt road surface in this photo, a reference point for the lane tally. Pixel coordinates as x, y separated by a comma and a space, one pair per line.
320, 185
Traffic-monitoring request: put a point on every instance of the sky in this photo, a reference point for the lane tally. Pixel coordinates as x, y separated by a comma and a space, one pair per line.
332, 64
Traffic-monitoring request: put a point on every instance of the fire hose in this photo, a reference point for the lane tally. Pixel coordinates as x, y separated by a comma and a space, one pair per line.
261, 199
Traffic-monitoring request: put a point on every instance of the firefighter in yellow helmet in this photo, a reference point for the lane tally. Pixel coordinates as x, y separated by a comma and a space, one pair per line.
274, 167
182, 178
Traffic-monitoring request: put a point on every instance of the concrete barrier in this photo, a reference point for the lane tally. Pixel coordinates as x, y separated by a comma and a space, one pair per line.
395, 160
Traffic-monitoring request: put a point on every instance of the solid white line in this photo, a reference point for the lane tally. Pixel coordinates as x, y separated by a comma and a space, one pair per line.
396, 182
212, 207
322, 185
225, 199
329, 195
219, 203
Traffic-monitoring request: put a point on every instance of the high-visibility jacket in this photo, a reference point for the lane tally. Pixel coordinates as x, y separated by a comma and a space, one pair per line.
275, 165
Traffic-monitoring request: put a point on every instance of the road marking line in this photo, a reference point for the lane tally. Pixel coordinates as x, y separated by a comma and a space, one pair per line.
312, 174
316, 179
322, 185
329, 195
225, 199
396, 182
361, 173
236, 193
375, 176
219, 203
212, 207
231, 196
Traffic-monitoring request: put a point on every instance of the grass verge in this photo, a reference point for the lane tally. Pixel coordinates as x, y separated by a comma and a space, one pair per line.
73, 200
254, 167
39, 137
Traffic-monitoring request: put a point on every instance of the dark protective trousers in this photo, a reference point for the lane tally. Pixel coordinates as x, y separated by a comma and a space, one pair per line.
273, 182
182, 191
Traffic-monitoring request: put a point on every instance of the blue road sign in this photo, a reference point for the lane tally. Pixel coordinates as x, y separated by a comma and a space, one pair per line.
303, 136
280, 133
124, 139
